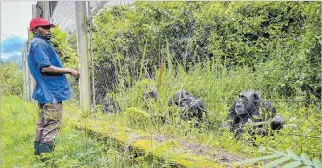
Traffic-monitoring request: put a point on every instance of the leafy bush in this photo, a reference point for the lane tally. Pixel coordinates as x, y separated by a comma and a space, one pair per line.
60, 41
69, 58
11, 79
214, 50
258, 35
288, 159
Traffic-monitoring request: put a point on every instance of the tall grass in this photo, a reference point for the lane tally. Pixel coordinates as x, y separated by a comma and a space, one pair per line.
74, 148
218, 87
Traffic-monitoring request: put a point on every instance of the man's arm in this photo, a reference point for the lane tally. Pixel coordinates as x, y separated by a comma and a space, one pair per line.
53, 70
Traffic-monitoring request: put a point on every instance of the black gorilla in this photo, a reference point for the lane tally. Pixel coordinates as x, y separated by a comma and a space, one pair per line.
246, 109
192, 107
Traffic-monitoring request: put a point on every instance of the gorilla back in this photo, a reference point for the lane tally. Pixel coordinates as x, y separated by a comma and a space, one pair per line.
192, 107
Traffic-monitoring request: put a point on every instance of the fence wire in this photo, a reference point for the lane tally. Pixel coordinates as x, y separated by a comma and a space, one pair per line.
145, 52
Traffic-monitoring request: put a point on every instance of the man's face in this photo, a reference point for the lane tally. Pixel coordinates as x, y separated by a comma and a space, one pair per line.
43, 31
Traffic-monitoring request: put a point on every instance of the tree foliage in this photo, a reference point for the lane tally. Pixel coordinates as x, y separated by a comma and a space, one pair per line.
288, 159
258, 35
11, 79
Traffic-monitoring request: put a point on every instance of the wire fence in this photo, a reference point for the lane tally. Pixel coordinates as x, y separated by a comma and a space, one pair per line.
64, 13
143, 53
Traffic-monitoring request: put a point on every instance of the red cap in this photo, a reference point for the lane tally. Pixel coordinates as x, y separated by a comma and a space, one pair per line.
38, 21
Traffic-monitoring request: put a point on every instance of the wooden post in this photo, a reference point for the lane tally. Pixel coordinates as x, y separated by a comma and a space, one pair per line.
80, 15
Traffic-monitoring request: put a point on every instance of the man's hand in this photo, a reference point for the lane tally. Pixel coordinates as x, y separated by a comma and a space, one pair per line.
59, 71
75, 73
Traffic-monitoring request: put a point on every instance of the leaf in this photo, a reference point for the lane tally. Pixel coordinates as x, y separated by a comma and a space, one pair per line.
254, 160
292, 164
276, 162
293, 155
306, 160
275, 151
317, 163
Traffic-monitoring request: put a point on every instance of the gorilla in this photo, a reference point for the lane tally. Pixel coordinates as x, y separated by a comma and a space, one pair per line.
246, 109
192, 107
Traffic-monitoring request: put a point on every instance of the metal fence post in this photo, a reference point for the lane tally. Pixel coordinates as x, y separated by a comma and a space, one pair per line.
90, 21
80, 15
46, 10
29, 82
26, 74
23, 75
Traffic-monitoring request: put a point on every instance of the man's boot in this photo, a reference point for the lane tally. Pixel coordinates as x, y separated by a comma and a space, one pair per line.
45, 150
36, 147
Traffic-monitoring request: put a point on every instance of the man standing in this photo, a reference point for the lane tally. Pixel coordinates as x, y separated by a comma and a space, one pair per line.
51, 84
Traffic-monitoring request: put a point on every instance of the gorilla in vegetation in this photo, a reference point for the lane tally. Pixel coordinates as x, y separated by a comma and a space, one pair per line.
247, 109
191, 106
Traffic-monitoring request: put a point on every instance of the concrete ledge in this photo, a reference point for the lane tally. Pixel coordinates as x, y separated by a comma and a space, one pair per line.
142, 144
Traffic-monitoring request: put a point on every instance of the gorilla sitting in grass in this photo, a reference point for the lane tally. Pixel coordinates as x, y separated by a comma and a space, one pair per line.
191, 107
247, 110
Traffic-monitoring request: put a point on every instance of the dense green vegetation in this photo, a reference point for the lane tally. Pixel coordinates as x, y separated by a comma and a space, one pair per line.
215, 50
260, 36
11, 79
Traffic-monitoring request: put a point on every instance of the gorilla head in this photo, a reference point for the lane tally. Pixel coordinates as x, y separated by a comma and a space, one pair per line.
248, 103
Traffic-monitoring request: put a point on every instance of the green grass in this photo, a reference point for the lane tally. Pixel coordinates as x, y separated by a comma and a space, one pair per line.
74, 148
18, 121
218, 89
